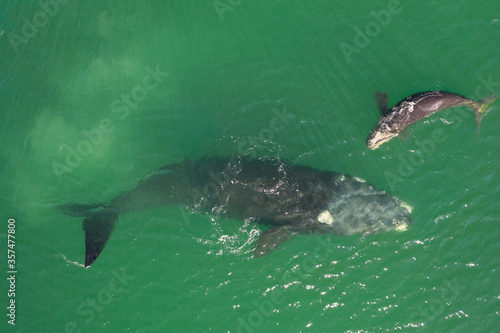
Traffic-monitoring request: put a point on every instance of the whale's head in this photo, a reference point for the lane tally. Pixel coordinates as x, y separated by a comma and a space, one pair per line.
380, 134
360, 208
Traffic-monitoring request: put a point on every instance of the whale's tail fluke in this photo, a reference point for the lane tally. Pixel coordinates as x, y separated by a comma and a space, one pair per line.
482, 107
98, 224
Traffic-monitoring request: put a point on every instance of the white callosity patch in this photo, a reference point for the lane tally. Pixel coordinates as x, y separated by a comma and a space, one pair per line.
406, 206
409, 107
325, 217
359, 180
401, 227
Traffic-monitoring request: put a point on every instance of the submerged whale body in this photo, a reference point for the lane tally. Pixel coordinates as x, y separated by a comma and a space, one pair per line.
292, 199
415, 108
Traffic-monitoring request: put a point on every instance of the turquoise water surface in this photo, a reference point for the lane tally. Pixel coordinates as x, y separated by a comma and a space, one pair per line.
94, 95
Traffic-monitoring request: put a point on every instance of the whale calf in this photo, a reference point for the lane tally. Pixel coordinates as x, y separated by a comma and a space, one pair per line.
291, 199
416, 107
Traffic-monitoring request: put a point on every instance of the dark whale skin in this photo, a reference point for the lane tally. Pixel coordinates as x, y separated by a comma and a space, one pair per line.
292, 199
415, 108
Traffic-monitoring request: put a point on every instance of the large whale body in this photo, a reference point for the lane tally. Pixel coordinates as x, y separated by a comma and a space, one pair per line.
292, 199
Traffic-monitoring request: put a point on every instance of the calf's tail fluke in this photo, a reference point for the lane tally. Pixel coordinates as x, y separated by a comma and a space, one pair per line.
98, 224
482, 107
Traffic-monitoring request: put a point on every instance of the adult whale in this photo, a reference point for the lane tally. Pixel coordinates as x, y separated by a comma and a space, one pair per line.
292, 199
416, 107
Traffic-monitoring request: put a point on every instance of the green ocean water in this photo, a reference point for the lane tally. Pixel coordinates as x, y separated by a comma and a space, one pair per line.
94, 95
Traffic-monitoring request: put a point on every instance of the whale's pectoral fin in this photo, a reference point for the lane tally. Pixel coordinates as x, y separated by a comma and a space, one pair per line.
272, 239
382, 103
98, 227
405, 134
